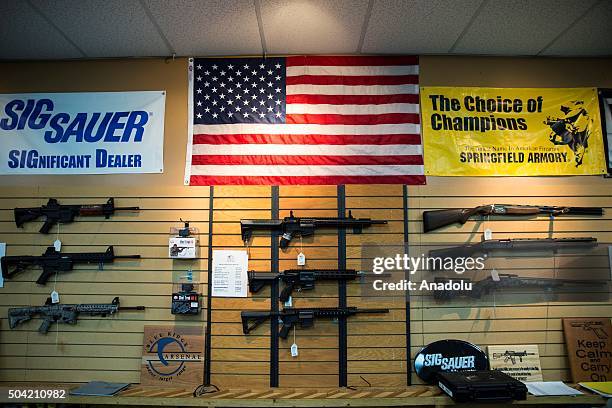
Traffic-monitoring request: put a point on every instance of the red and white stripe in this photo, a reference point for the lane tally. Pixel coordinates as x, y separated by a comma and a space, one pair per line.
350, 120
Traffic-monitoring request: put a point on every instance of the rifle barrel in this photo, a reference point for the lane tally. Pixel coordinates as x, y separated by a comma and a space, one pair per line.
585, 211
127, 256
131, 308
127, 208
372, 311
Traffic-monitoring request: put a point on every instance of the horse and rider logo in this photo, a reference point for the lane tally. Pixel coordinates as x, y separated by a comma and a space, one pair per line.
572, 129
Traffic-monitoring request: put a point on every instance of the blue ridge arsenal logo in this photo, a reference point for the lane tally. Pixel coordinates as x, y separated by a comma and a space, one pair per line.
171, 354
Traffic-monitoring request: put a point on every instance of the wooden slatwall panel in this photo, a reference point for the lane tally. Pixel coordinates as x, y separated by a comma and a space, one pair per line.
110, 348
97, 348
100, 348
520, 316
236, 358
317, 363
377, 343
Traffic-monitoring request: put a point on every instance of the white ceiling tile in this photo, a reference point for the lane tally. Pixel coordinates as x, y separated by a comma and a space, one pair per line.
313, 26
519, 27
110, 28
592, 35
119, 28
208, 27
417, 26
25, 34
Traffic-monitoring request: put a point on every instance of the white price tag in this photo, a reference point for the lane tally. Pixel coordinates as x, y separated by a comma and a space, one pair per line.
301, 259
289, 302
495, 275
57, 245
54, 297
488, 234
294, 350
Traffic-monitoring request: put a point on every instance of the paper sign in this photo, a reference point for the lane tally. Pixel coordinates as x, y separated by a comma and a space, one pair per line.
550, 388
229, 277
2, 253
589, 347
301, 259
520, 362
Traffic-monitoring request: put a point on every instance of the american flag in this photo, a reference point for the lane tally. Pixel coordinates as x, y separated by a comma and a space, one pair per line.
304, 120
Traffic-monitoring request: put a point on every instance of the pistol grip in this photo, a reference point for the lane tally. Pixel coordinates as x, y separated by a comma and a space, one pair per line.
285, 240
44, 327
284, 331
286, 292
44, 276
46, 227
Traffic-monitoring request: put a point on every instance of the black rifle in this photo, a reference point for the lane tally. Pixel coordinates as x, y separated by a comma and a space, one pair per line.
55, 212
595, 327
291, 226
52, 313
487, 285
53, 262
511, 356
300, 279
518, 244
303, 317
440, 218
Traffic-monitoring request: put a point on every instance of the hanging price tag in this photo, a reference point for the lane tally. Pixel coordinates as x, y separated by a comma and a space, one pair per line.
495, 275
289, 302
488, 234
301, 259
54, 297
294, 350
57, 245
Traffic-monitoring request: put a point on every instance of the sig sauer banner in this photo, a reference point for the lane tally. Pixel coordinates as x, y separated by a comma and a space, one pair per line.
82, 133
511, 131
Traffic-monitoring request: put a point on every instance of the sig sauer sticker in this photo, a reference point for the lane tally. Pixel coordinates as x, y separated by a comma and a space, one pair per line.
448, 355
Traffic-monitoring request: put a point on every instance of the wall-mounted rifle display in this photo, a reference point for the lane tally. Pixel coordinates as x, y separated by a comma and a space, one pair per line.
53, 262
435, 219
298, 279
518, 245
59, 313
54, 212
477, 289
305, 318
291, 227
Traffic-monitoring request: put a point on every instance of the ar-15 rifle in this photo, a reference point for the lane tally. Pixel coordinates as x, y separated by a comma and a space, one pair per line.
519, 244
487, 285
440, 218
303, 317
52, 313
592, 326
54, 212
53, 262
291, 226
300, 279
511, 356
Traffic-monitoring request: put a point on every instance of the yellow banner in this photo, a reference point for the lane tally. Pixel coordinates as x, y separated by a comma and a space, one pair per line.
511, 131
